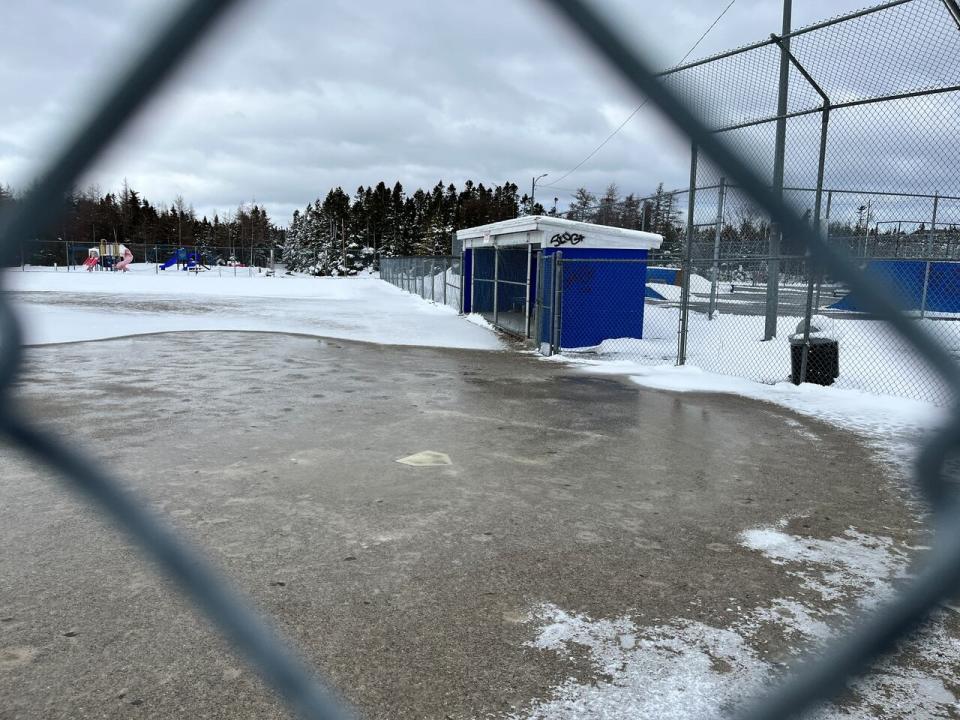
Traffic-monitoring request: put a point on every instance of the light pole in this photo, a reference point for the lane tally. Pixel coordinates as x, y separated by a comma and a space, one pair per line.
533, 189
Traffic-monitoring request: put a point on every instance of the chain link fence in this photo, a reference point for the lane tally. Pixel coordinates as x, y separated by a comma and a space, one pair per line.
882, 81
437, 279
864, 149
67, 256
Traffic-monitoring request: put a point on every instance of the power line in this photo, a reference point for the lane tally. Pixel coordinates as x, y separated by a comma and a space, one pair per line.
639, 107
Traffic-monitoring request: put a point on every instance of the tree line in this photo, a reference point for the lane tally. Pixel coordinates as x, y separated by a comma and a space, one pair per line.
340, 234
343, 235
90, 216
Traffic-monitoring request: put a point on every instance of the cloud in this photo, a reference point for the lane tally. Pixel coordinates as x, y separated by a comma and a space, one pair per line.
291, 98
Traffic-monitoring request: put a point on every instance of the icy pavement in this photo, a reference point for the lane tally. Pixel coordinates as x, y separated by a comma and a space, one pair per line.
684, 668
892, 426
75, 306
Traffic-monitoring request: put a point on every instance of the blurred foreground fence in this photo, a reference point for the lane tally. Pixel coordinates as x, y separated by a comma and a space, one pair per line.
898, 52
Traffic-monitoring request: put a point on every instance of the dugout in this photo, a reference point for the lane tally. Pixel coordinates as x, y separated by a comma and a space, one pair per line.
516, 272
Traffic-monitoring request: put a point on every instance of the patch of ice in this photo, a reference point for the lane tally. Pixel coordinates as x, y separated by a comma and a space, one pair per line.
856, 563
686, 669
677, 671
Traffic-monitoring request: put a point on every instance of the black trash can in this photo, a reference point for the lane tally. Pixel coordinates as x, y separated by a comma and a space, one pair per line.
823, 361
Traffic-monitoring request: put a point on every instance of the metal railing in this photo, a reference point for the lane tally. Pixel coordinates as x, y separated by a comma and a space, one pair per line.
814, 682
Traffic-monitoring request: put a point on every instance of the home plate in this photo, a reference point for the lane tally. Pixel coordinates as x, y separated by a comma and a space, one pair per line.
426, 459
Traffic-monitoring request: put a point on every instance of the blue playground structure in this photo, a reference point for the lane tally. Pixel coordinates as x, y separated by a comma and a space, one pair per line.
182, 257
930, 286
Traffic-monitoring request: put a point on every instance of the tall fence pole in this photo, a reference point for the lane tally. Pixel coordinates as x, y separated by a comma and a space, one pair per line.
933, 225
538, 304
555, 320
812, 273
686, 265
496, 283
929, 253
526, 294
717, 232
773, 261
926, 286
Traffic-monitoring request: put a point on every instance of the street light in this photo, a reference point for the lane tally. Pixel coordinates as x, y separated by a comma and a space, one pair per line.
533, 188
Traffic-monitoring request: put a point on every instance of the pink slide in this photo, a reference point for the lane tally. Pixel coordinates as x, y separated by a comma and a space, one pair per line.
127, 259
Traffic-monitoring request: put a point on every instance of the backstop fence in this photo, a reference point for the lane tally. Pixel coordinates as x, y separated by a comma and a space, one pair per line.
852, 122
868, 100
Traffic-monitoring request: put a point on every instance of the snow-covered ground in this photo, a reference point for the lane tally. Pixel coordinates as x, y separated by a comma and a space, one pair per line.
667, 668
64, 307
873, 357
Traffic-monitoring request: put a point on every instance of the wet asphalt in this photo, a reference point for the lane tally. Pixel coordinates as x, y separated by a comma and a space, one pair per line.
407, 587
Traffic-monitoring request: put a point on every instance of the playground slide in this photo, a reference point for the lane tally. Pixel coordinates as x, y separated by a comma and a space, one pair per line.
169, 263
90, 263
127, 259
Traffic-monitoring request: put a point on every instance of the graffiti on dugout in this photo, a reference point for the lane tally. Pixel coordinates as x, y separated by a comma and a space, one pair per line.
566, 238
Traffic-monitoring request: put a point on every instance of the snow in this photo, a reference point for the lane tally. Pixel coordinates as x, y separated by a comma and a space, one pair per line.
65, 307
685, 668
667, 292
873, 357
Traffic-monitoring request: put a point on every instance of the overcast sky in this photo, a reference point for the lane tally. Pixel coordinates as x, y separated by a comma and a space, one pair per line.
293, 97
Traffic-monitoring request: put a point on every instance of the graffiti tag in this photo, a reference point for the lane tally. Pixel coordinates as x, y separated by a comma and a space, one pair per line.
566, 238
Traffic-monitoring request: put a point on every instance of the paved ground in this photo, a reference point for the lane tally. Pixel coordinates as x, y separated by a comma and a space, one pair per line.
406, 586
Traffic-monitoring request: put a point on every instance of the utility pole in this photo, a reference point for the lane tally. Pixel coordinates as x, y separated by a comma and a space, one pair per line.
773, 260
533, 189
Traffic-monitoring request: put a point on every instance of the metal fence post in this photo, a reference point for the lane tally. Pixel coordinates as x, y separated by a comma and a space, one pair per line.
526, 294
926, 285
496, 283
447, 266
718, 230
686, 265
538, 303
812, 275
773, 260
555, 344
933, 225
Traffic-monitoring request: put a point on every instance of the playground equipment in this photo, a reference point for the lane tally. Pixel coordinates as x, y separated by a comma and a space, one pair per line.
108, 256
93, 259
185, 261
124, 264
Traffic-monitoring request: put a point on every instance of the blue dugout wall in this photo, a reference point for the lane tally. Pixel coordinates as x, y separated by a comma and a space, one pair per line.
600, 300
904, 280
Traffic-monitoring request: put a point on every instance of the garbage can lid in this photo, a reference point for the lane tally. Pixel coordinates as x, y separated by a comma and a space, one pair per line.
819, 332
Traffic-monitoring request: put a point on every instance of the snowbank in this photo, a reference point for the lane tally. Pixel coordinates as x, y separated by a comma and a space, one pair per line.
75, 306
873, 357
